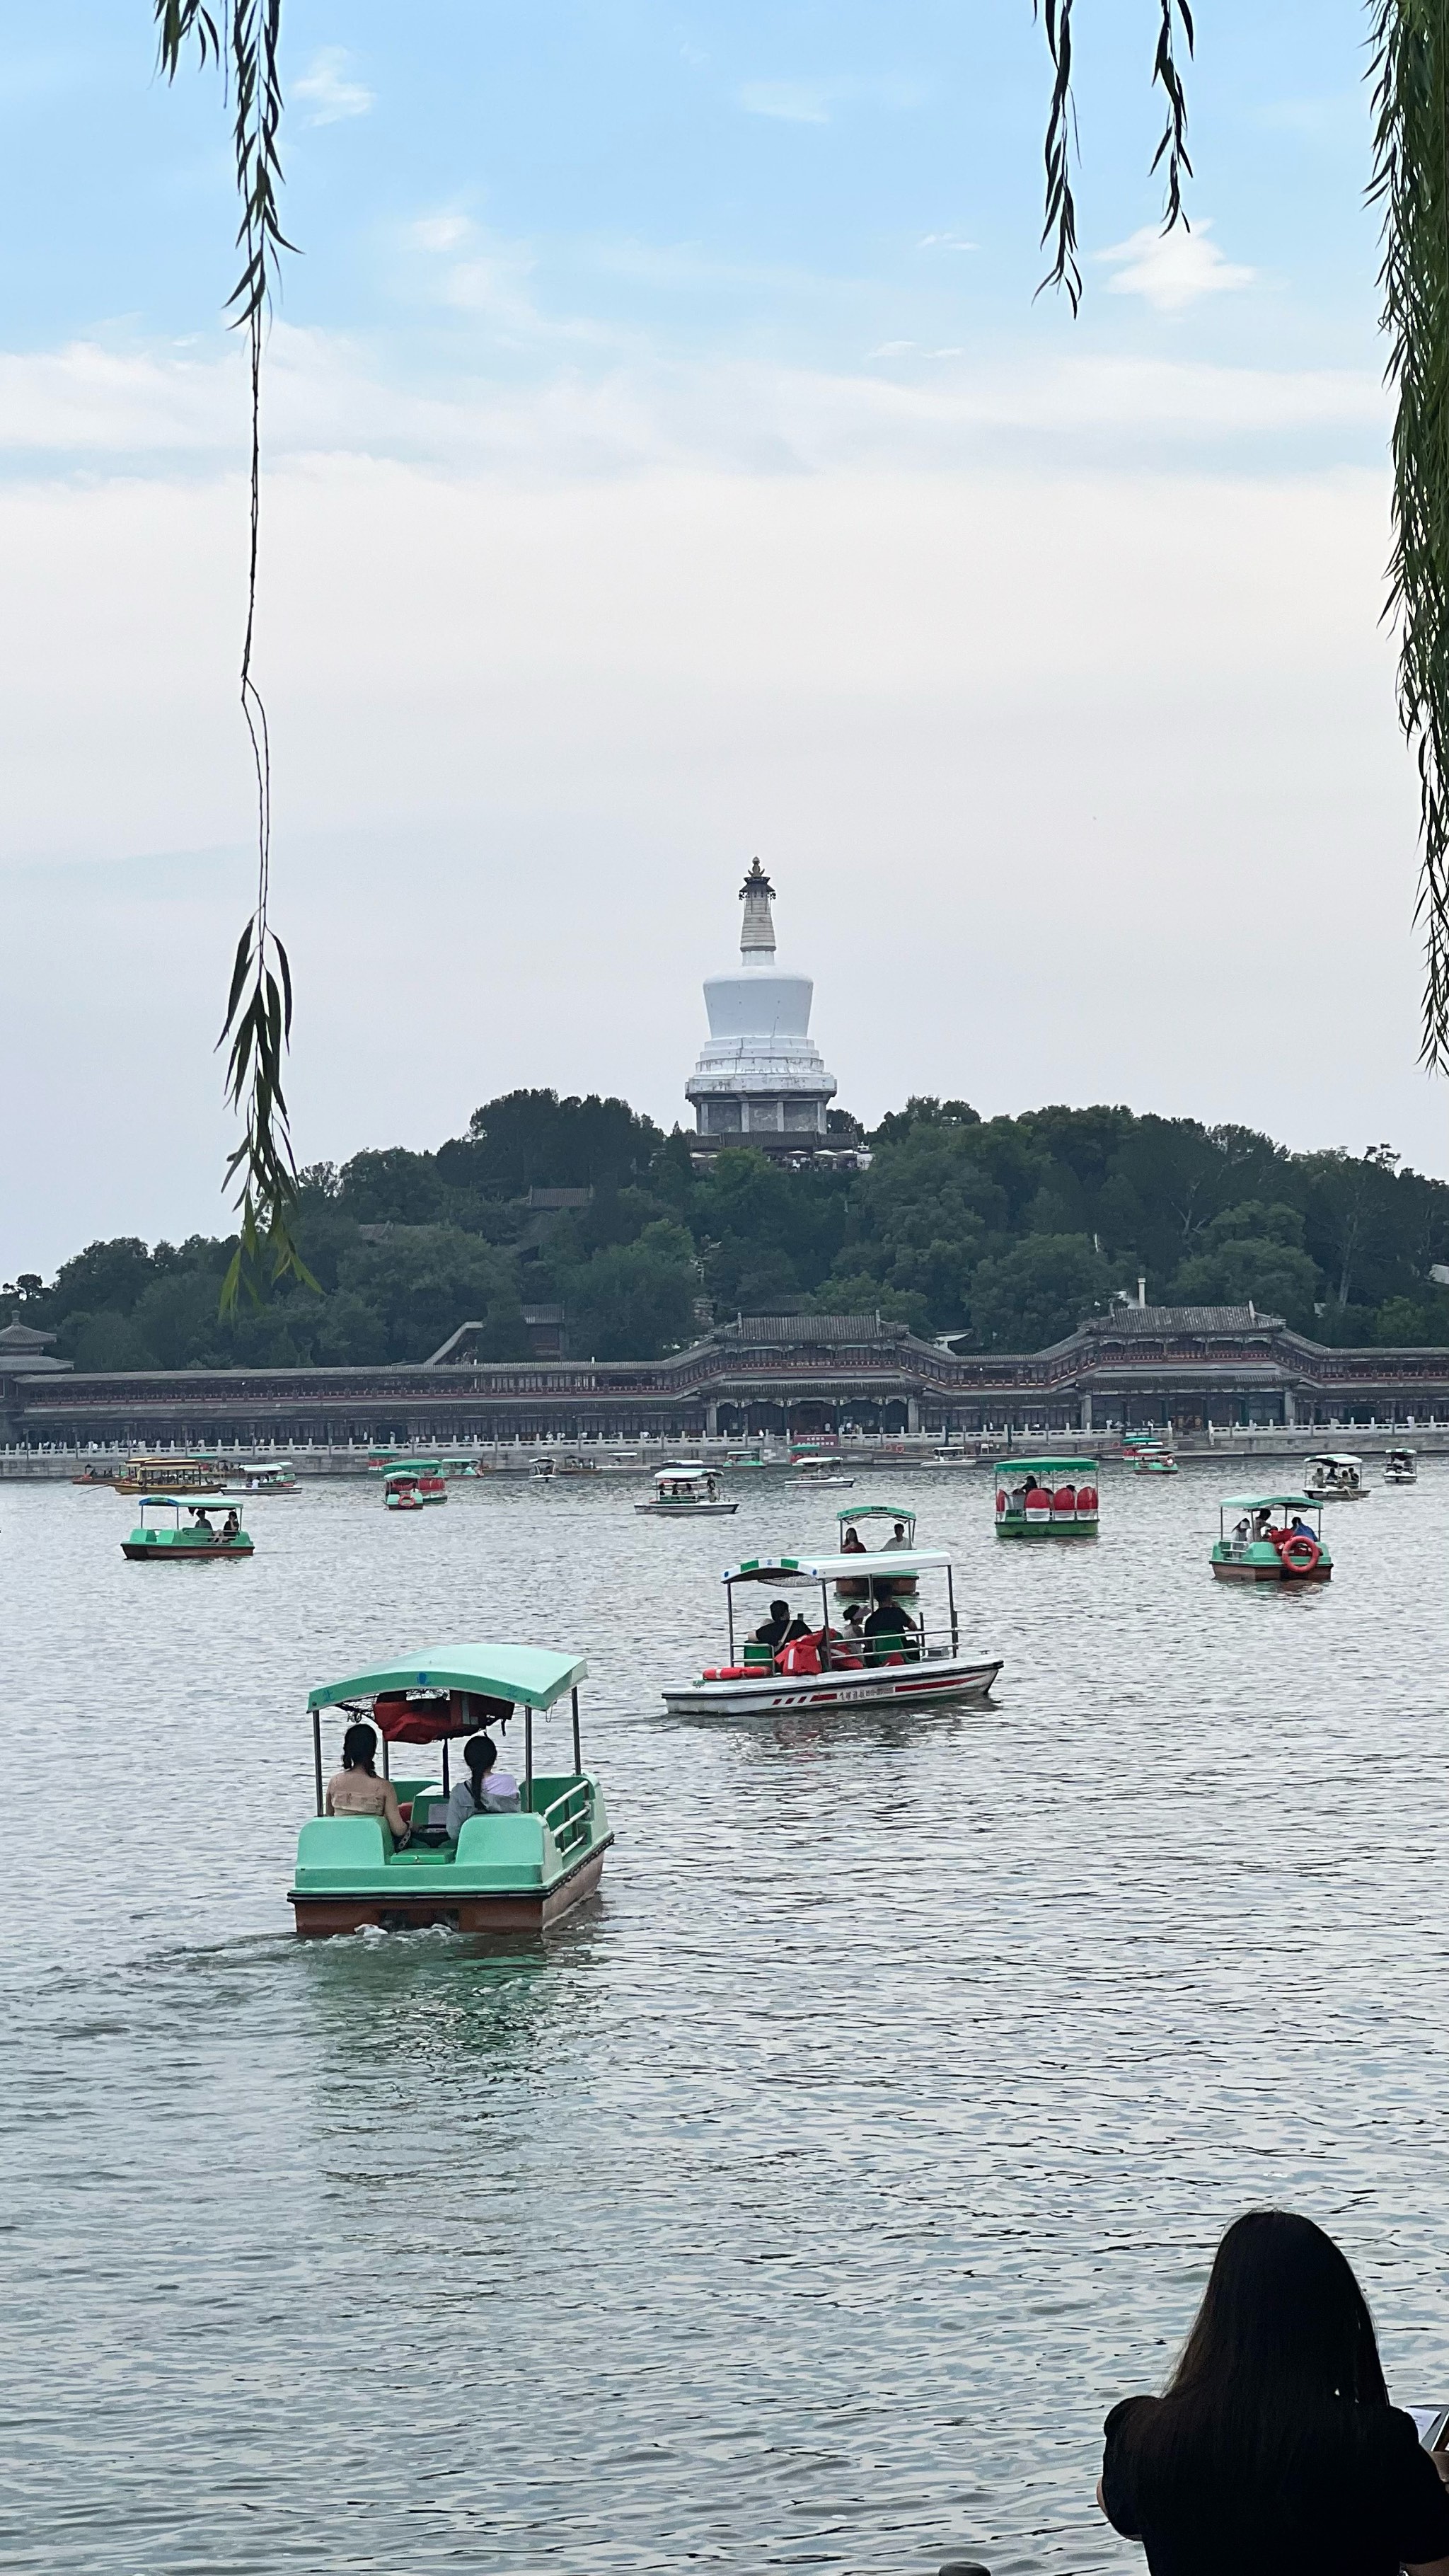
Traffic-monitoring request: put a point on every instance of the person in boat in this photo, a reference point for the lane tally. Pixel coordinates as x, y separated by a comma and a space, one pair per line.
774, 1630
356, 1790
201, 1525
855, 1624
231, 1526
892, 1624
853, 1544
1300, 1528
898, 1536
711, 1489
487, 1791
1243, 1530
1275, 2451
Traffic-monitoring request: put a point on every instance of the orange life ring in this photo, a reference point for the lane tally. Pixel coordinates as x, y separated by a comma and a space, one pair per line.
1300, 1553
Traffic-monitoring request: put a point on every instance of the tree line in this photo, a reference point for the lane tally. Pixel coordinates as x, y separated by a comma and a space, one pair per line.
1003, 1232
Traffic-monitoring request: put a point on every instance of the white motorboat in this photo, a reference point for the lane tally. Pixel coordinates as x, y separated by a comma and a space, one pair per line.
1335, 1476
279, 1476
875, 1654
1401, 1467
819, 1471
687, 1490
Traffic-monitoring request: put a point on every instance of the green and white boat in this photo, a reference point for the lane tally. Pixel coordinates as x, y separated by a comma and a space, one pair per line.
875, 1530
162, 1537
1262, 1549
505, 1873
829, 1670
1155, 1458
1046, 1498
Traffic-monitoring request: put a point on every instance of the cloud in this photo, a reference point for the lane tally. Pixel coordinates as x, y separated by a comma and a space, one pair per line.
810, 102
442, 232
613, 409
1172, 270
945, 241
328, 92
793, 102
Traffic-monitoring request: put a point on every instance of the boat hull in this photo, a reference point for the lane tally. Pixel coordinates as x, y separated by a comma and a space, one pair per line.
1046, 1529
878, 1686
523, 1909
156, 1552
686, 1511
1319, 1573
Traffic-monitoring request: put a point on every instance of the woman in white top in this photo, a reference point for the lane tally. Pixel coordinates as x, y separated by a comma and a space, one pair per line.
487, 1791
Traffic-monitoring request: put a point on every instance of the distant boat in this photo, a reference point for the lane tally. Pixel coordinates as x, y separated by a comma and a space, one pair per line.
1038, 1498
688, 1491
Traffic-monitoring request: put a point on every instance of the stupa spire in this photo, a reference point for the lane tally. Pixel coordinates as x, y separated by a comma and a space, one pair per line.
757, 930
760, 1079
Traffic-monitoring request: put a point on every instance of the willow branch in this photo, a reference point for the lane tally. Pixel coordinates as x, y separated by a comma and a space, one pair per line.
1062, 149
246, 36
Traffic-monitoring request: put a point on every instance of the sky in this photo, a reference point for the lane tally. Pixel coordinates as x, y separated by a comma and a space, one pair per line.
668, 460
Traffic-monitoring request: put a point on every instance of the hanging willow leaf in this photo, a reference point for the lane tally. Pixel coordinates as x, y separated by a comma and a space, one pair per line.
246, 34
1410, 56
1060, 224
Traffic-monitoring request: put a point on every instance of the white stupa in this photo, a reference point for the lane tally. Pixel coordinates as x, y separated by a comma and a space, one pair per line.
760, 1079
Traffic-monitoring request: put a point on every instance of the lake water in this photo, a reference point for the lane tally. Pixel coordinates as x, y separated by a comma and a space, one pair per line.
807, 2199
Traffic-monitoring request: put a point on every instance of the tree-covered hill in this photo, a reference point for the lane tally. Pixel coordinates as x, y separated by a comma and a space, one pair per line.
1004, 1231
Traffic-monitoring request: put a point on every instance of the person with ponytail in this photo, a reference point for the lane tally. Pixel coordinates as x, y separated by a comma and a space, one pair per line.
1275, 2451
487, 1791
356, 1790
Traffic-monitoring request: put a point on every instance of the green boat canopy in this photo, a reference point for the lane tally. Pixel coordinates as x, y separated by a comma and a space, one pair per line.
878, 1512
191, 1502
408, 1467
881, 1565
1271, 1503
1054, 1466
534, 1675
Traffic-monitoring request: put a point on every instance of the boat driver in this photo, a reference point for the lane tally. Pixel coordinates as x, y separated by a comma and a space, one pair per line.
892, 1624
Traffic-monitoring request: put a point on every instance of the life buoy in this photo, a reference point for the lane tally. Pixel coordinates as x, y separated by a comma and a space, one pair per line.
1300, 1553
1001, 1502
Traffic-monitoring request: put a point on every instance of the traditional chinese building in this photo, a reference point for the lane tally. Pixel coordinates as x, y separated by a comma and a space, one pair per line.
760, 1079
1191, 1366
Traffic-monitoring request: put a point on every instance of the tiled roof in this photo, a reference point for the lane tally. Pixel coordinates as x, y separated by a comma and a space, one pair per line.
23, 1337
1183, 1319
808, 1328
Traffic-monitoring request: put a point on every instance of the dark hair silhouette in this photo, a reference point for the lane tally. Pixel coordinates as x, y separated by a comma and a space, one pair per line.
1281, 2349
359, 1745
480, 1753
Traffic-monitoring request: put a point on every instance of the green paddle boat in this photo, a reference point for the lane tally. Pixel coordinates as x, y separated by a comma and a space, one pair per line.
162, 1537
1262, 1548
505, 1873
1046, 1498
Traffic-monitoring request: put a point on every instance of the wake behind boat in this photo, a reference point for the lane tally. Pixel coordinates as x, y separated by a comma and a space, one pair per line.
874, 1654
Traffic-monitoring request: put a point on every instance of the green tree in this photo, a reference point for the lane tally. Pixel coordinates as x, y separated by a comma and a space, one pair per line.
1038, 1292
635, 1300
